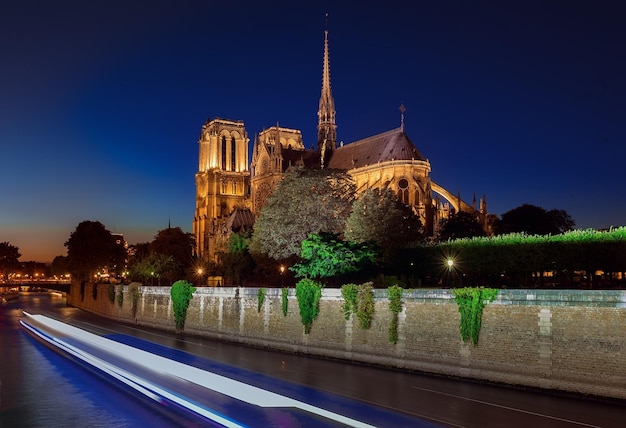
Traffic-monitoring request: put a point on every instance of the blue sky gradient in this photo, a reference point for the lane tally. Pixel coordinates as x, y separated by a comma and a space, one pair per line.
102, 101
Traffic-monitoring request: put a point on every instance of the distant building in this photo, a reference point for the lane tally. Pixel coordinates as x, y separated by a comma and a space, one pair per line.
230, 193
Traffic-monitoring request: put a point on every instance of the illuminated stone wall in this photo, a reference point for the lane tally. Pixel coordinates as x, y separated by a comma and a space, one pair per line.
566, 340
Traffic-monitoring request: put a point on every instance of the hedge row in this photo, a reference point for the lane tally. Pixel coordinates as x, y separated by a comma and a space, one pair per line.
519, 256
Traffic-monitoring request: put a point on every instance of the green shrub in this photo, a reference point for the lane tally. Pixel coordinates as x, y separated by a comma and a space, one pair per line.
471, 301
181, 293
308, 293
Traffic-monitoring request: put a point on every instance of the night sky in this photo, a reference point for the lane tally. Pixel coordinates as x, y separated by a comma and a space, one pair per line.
101, 102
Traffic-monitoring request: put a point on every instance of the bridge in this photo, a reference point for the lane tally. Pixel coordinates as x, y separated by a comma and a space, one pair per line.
35, 285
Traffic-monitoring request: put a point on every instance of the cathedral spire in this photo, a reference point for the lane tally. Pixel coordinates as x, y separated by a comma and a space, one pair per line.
326, 127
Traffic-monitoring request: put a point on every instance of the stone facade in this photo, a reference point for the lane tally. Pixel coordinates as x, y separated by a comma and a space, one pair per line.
222, 180
567, 340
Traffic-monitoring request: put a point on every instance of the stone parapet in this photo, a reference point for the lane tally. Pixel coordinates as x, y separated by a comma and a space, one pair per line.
569, 340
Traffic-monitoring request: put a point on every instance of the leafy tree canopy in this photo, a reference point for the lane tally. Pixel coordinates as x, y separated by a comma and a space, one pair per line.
153, 268
460, 225
177, 245
237, 262
534, 221
59, 266
9, 258
90, 247
325, 255
378, 216
306, 201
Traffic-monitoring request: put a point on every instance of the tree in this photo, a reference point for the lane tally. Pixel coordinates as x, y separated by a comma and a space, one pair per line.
378, 216
460, 225
177, 245
9, 258
561, 220
237, 262
152, 268
89, 248
306, 201
325, 255
59, 266
534, 220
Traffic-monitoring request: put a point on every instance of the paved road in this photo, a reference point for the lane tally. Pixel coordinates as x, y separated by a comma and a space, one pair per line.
442, 401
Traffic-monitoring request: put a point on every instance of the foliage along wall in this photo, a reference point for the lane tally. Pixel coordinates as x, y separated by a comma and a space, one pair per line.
571, 340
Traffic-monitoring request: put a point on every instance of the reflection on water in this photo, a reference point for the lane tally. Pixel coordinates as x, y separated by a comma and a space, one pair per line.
40, 388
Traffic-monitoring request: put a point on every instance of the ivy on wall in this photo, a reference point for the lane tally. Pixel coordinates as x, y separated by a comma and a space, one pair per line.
471, 302
359, 299
308, 293
260, 299
285, 301
120, 296
181, 293
349, 293
111, 292
394, 294
135, 295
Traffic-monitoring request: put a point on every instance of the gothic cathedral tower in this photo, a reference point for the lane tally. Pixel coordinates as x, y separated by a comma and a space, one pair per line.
222, 180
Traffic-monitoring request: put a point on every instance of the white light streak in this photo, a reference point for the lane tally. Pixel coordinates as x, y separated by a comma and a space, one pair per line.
221, 384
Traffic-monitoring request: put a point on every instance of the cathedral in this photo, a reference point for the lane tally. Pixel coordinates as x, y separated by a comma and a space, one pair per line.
230, 193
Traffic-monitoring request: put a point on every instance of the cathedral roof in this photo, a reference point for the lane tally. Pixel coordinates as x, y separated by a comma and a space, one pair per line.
240, 219
306, 158
388, 146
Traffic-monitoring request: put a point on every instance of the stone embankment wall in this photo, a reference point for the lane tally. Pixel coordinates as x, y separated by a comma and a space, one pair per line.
570, 340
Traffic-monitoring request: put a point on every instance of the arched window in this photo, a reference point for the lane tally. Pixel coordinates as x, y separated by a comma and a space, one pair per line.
403, 191
223, 152
233, 152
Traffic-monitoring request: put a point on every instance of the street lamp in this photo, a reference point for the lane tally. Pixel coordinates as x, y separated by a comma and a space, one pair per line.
282, 271
450, 263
